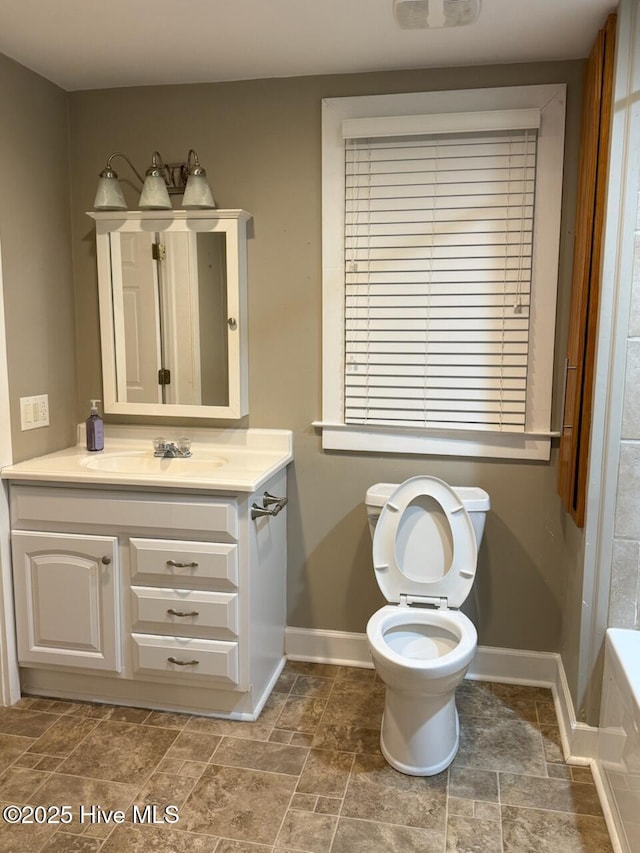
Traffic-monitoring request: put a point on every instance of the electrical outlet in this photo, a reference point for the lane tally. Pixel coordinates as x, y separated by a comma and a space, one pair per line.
34, 412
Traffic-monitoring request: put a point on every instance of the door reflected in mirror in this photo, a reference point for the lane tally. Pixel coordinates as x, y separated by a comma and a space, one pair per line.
173, 298
171, 346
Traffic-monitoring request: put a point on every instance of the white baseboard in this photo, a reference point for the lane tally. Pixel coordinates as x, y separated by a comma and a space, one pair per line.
510, 666
338, 647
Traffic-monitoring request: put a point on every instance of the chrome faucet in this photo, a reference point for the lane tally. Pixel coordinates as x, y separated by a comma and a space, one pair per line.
170, 449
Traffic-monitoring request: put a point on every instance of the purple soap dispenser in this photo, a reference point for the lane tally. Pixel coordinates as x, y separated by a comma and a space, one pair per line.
95, 428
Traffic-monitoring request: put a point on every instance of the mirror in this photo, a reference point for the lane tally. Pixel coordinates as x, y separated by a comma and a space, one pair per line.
172, 302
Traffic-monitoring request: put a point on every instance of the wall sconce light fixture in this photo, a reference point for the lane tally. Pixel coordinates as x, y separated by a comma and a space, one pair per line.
160, 182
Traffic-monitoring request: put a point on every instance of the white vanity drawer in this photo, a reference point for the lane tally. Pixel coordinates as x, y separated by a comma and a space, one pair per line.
33, 506
190, 659
188, 565
184, 613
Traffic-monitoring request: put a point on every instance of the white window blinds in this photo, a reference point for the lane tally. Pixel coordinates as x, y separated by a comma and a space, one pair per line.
438, 246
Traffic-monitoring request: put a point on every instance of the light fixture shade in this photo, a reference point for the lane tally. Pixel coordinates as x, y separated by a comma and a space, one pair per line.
154, 194
109, 194
197, 194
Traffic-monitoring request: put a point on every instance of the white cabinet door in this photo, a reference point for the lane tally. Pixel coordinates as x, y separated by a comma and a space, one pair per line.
66, 595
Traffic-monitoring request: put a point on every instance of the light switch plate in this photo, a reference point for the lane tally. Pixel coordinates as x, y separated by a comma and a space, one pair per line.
34, 412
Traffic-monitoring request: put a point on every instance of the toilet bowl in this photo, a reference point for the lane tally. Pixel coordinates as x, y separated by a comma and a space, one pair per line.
425, 540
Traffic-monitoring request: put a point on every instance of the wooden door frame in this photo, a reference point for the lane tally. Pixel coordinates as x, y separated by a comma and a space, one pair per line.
573, 465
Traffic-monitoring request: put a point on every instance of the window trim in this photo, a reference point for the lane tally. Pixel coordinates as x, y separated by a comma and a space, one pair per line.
535, 442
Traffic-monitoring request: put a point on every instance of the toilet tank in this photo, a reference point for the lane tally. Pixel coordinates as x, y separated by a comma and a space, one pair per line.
475, 501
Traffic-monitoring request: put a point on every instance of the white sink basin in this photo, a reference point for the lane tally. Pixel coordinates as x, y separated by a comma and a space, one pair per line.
227, 460
199, 464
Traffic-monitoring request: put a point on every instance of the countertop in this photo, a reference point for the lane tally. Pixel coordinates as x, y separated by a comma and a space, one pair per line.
222, 460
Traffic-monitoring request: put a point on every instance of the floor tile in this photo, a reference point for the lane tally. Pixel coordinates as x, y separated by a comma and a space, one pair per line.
229, 846
326, 772
347, 738
306, 777
62, 842
163, 790
312, 685
507, 744
354, 703
546, 713
557, 794
52, 706
240, 804
285, 681
24, 838
25, 723
63, 736
120, 752
17, 784
487, 811
49, 762
257, 755
460, 806
304, 802
304, 831
11, 747
27, 759
356, 673
328, 805
532, 831
377, 792
167, 720
260, 729
551, 743
559, 771
365, 836
77, 791
193, 769
478, 699
131, 839
322, 670
470, 835
193, 746
473, 784
301, 713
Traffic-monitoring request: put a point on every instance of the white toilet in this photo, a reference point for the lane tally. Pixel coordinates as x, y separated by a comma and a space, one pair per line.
425, 549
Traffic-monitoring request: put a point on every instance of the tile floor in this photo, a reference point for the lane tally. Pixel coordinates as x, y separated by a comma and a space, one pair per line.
306, 776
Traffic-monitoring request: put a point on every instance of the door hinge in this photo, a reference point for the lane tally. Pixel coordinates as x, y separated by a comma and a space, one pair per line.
158, 251
164, 376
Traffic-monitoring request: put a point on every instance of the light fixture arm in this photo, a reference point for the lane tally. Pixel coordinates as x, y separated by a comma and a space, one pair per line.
108, 172
193, 164
157, 169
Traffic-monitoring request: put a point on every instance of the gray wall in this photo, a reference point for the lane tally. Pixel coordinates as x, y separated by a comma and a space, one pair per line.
260, 143
624, 605
35, 235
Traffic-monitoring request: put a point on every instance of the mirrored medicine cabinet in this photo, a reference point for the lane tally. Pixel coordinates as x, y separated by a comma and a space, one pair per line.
173, 290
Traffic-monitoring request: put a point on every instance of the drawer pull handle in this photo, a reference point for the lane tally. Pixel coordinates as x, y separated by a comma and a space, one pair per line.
105, 560
176, 565
271, 505
183, 662
173, 612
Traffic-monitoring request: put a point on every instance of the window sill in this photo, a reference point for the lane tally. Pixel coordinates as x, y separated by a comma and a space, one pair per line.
498, 445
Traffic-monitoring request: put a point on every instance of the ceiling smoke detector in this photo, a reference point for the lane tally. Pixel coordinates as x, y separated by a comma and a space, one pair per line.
434, 14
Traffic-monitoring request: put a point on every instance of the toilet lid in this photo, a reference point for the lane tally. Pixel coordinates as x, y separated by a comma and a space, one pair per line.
424, 544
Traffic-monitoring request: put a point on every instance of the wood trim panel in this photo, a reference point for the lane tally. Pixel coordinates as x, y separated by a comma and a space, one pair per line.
585, 288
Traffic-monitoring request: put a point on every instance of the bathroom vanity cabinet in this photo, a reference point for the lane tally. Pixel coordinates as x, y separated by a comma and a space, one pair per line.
162, 598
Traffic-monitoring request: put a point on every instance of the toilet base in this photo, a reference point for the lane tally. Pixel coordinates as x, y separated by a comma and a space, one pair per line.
418, 737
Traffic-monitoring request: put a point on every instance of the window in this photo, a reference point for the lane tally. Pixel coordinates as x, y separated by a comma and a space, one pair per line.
441, 217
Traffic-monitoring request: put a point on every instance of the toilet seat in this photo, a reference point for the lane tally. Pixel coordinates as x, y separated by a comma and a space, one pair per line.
455, 622
401, 586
